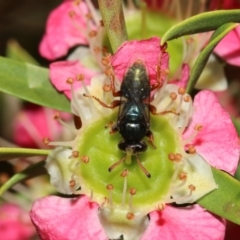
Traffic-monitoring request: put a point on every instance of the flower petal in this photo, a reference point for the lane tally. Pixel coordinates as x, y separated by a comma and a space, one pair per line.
61, 71
217, 142
149, 51
15, 223
57, 165
192, 222
69, 219
228, 48
61, 34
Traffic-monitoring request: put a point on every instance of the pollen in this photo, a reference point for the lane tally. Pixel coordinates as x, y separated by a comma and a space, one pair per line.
110, 187
181, 91
85, 159
191, 149
92, 33
130, 216
124, 173
132, 191
198, 127
192, 188
173, 96
187, 98
171, 156
69, 81
72, 183
72, 14
80, 77
77, 2
178, 157
75, 154
46, 141
182, 176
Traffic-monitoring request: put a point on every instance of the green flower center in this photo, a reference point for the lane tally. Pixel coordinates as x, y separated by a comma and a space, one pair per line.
102, 150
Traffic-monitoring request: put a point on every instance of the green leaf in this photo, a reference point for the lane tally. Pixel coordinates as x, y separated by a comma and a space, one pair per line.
16, 52
34, 170
236, 123
224, 201
10, 153
203, 22
30, 83
205, 53
114, 23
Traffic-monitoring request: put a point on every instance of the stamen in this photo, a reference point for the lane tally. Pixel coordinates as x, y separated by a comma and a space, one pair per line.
110, 188
57, 117
132, 192
178, 157
75, 103
105, 201
85, 159
91, 196
64, 144
93, 11
188, 114
92, 33
80, 77
160, 207
46, 141
130, 216
81, 30
124, 174
191, 149
197, 129
75, 154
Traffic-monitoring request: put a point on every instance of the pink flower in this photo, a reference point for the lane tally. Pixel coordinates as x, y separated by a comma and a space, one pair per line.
73, 23
72, 219
61, 34
209, 134
33, 124
15, 223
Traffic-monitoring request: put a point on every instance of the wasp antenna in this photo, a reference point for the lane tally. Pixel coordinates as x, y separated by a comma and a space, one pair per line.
143, 168
116, 164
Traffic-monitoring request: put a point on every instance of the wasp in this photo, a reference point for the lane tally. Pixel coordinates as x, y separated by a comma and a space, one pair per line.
133, 122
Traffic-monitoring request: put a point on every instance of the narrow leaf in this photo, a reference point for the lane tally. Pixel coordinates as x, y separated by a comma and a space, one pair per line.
224, 201
10, 153
205, 53
30, 83
30, 172
113, 20
203, 22
16, 52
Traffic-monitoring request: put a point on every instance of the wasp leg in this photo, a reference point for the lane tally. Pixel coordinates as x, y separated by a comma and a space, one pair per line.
150, 137
113, 104
112, 81
153, 110
142, 167
116, 164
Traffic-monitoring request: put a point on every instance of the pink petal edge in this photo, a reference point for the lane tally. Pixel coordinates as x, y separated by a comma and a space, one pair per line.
69, 219
149, 51
217, 142
187, 223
